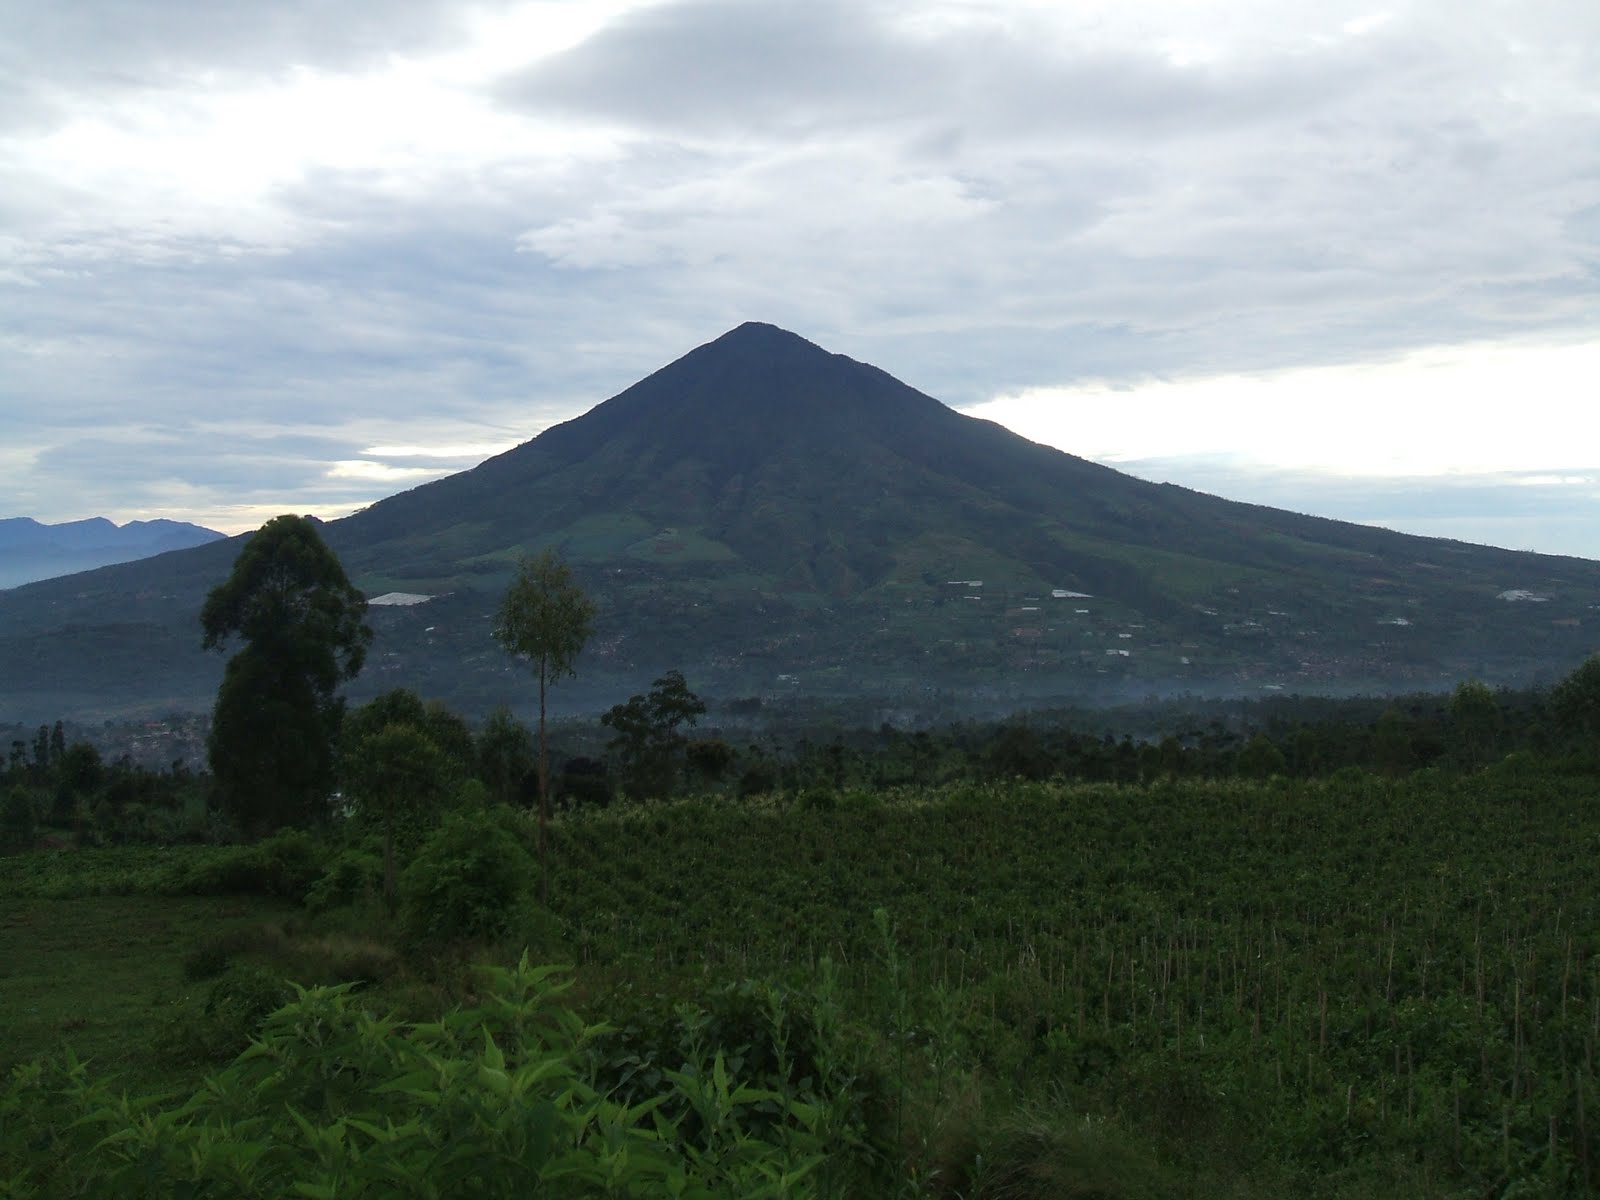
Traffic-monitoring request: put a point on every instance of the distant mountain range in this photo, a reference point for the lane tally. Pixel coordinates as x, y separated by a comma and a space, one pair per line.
30, 550
774, 519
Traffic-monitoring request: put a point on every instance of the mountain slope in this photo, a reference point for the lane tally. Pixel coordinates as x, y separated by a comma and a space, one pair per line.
766, 515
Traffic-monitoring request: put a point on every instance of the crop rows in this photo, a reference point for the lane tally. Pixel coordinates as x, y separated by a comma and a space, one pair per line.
1411, 962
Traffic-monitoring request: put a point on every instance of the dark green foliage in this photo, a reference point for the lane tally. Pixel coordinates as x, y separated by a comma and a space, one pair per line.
759, 778
1260, 758
240, 1001
584, 783
1576, 705
792, 1043
468, 882
399, 780
1017, 752
649, 745
402, 706
277, 716
237, 1004
398, 706
708, 760
450, 733
1475, 723
1309, 974
350, 876
79, 773
546, 618
1360, 986
819, 799
285, 865
1051, 1155
506, 757
19, 815
497, 1101
207, 960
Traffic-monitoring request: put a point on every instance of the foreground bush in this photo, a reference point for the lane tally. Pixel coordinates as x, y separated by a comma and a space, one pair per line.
285, 865
499, 1100
468, 882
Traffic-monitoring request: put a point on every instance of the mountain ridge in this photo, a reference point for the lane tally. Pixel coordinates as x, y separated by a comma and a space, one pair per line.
31, 550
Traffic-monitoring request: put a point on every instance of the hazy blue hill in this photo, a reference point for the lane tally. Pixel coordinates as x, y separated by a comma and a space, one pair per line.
768, 516
31, 550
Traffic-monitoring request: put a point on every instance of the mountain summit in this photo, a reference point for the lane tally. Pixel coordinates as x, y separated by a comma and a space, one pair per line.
768, 516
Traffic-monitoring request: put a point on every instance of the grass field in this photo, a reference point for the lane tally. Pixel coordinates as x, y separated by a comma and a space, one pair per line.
104, 974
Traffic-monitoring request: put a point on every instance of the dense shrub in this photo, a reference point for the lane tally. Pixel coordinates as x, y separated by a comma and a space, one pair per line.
285, 865
350, 876
244, 996
19, 816
494, 1101
790, 1043
237, 1005
469, 880
760, 778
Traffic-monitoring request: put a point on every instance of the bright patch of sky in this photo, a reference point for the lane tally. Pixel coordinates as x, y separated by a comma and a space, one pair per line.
275, 255
1449, 412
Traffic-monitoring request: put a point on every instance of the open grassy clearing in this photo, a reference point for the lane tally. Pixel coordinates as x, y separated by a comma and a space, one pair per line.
105, 974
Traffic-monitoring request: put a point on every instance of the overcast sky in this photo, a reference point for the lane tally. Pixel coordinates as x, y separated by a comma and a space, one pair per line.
276, 255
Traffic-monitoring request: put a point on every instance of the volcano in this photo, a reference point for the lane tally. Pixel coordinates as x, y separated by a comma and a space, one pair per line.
771, 518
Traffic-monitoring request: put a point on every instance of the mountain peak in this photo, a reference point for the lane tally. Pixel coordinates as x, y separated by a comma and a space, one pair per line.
736, 399
763, 333
758, 342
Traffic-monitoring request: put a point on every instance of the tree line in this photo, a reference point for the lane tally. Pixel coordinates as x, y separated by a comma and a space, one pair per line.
285, 752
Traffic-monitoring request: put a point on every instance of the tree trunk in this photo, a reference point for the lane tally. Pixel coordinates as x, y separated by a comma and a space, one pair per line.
388, 859
544, 798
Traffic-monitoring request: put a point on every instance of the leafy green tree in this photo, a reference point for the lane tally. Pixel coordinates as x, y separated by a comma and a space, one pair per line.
1475, 722
648, 745
78, 777
277, 715
19, 816
1261, 758
1017, 752
1391, 743
1576, 705
710, 759
401, 706
400, 779
448, 731
505, 756
41, 754
398, 706
545, 618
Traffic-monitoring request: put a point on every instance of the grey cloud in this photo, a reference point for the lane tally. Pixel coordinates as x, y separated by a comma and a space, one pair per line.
722, 66
196, 458
119, 44
1369, 196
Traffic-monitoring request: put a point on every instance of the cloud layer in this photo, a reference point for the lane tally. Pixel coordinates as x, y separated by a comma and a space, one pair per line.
244, 249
